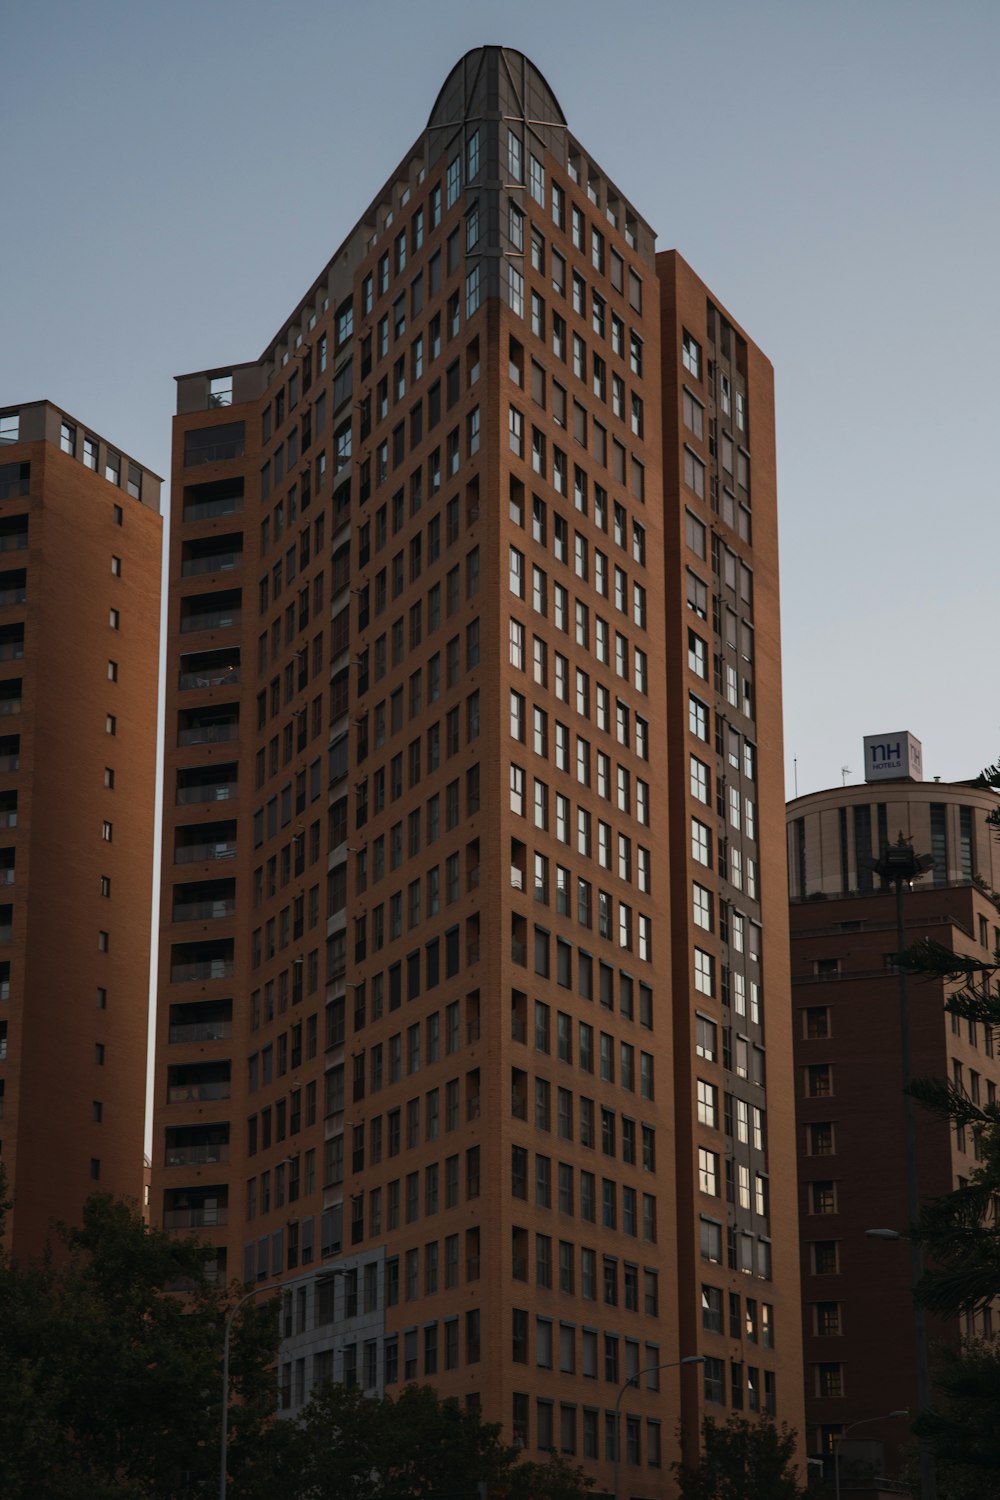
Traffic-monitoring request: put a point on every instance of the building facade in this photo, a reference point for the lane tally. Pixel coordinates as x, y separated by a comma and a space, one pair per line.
429, 969
856, 1302
80, 534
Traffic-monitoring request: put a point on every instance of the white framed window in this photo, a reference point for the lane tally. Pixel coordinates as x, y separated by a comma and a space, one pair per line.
702, 907
691, 354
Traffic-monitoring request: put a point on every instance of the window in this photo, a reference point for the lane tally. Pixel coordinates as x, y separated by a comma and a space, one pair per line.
819, 1081
694, 473
704, 972
823, 1197
691, 354
698, 714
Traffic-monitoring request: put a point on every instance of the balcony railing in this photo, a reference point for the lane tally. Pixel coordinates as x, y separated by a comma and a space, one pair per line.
185, 1156
220, 791
8, 819
195, 1218
210, 677
12, 651
13, 596
213, 968
10, 705
201, 1031
218, 562
203, 911
208, 510
191, 854
213, 453
191, 1093
210, 619
201, 734
7, 875
10, 762
14, 541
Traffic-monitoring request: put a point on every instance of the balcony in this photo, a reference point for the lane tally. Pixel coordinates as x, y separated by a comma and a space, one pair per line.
201, 911
195, 784
209, 677
196, 1156
206, 1217
211, 562
211, 619
210, 502
213, 445
13, 541
202, 970
201, 1031
12, 650
217, 733
187, 854
195, 1093
10, 763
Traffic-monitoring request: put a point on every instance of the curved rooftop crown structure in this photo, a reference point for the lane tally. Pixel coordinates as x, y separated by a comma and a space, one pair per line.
492, 78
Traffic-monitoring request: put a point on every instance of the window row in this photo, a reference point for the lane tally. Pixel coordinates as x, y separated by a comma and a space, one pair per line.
598, 1201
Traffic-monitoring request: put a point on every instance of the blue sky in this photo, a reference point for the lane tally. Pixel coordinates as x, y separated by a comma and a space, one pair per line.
176, 174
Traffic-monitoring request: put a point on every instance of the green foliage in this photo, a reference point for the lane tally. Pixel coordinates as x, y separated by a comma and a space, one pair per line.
964, 1425
356, 1447
960, 1236
110, 1381
743, 1458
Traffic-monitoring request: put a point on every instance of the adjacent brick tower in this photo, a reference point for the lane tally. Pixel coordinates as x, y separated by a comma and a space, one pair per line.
436, 997
857, 1307
80, 547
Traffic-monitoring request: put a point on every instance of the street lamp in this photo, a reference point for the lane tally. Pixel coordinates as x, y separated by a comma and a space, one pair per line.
840, 1436
268, 1286
671, 1364
899, 866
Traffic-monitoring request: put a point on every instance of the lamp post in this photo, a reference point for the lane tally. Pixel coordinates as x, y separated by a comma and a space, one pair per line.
899, 866
268, 1286
671, 1364
841, 1436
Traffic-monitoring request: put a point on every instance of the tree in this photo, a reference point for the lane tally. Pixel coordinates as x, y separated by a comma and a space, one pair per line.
110, 1380
743, 1458
960, 1230
357, 1447
963, 1427
960, 1235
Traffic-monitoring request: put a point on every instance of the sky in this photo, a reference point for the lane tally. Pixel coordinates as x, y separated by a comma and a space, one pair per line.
177, 174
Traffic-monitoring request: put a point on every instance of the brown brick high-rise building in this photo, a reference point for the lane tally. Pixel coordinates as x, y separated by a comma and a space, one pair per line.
471, 852
80, 539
